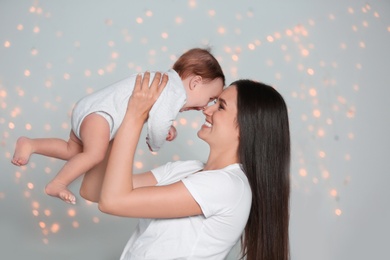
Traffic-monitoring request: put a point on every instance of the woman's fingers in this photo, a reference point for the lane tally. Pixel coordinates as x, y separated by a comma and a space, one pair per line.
145, 81
163, 83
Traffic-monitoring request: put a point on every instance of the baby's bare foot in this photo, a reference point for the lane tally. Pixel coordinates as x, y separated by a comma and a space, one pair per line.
57, 189
23, 151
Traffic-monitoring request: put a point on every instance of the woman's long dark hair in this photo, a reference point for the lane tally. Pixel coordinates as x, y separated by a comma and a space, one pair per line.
264, 153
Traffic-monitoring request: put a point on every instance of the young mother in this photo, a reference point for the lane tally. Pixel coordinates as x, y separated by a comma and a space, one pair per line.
191, 210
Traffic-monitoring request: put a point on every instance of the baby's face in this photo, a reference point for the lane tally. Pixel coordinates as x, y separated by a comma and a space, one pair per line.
203, 94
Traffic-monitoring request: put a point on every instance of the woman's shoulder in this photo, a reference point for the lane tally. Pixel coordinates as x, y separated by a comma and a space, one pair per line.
187, 165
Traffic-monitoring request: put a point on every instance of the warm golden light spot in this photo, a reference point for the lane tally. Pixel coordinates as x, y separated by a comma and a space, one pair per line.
35, 213
316, 113
211, 12
45, 232
149, 13
64, 125
66, 76
87, 73
71, 213
234, 57
343, 46
7, 44
376, 15
11, 125
270, 38
333, 193
338, 212
270, 63
175, 157
139, 20
178, 20
27, 73
302, 172
321, 154
305, 52
313, 92
19, 27
221, 30
95, 220
139, 165
325, 174
192, 3
48, 83
32, 9
30, 185
289, 32
3, 93
47, 212
321, 132
27, 194
365, 24
42, 224
45, 241
251, 46
36, 29
55, 227
28, 127
114, 55
310, 72
101, 72
75, 224
362, 45
350, 10
277, 35
183, 121
164, 35
35, 204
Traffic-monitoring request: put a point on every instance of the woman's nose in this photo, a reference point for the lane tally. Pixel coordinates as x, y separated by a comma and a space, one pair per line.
208, 110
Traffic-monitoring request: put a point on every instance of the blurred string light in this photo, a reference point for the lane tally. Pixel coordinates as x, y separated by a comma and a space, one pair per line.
317, 122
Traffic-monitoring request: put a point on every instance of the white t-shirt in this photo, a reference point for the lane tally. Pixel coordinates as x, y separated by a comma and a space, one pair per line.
224, 196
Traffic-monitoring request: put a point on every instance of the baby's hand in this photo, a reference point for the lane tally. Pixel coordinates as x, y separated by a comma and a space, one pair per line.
171, 134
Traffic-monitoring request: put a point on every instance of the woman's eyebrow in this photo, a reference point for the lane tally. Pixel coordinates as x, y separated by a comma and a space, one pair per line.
221, 100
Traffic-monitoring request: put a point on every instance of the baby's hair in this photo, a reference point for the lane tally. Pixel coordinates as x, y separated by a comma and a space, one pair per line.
200, 62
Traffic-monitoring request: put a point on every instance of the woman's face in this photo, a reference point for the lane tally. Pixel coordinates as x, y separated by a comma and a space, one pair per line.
220, 128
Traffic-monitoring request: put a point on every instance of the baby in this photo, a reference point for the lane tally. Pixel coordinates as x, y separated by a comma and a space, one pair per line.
195, 79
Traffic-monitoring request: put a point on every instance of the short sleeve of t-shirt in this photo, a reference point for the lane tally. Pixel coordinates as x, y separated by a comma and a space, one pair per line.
220, 191
176, 171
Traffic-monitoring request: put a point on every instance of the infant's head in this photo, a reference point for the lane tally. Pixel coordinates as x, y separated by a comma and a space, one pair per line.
202, 77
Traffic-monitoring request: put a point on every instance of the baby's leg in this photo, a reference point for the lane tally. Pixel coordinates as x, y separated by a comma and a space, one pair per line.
93, 179
52, 147
95, 135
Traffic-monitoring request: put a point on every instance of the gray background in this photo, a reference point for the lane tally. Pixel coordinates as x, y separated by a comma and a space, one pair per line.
329, 59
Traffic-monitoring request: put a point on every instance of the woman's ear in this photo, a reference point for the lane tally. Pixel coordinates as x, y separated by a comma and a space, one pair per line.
196, 80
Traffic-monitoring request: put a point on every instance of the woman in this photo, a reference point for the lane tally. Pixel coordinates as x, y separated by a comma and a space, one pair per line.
191, 210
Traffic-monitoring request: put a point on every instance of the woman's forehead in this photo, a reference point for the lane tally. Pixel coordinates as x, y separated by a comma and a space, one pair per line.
230, 91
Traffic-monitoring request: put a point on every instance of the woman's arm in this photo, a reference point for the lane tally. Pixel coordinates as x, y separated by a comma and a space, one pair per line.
119, 196
91, 185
